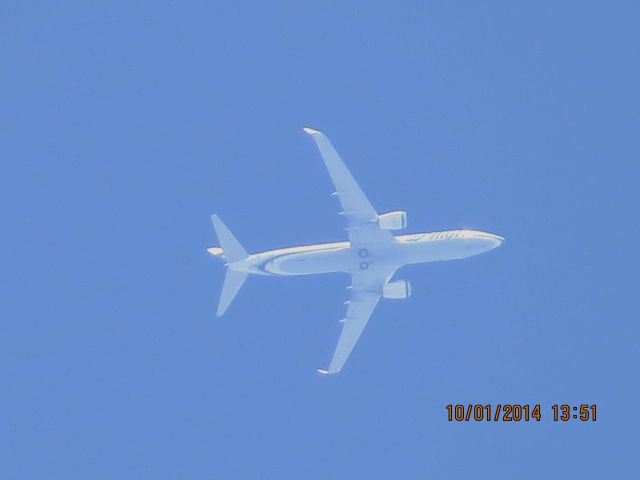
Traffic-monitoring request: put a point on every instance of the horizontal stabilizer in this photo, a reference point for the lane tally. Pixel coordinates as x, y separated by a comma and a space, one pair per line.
233, 251
233, 281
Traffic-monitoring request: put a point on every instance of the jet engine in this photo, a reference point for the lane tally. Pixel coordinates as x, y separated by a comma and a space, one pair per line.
393, 220
397, 289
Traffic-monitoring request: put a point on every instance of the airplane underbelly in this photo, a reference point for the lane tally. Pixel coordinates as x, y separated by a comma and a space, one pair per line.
308, 263
435, 251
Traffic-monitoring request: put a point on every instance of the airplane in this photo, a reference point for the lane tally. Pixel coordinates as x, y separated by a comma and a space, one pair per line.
371, 255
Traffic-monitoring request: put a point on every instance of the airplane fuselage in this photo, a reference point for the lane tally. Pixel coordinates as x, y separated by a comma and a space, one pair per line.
342, 257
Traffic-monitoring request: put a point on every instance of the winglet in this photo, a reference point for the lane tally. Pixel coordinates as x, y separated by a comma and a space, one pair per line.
311, 131
323, 371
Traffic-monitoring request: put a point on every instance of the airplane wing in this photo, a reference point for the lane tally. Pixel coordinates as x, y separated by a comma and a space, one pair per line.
361, 216
366, 291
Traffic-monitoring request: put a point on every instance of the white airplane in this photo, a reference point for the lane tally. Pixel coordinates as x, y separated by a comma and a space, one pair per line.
371, 255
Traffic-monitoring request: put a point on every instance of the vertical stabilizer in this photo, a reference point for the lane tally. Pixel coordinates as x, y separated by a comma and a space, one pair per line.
233, 280
233, 251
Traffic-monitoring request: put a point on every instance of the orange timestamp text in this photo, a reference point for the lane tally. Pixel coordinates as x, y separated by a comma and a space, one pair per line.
514, 412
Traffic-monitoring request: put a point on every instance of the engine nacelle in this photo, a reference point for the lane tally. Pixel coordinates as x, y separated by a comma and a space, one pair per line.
397, 289
393, 220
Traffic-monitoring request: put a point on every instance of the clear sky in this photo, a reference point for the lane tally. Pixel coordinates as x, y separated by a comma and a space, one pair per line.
123, 125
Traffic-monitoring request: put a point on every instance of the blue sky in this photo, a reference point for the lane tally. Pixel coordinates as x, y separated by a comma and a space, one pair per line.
124, 126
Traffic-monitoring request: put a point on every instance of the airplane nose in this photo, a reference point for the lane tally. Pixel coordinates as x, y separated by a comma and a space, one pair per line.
493, 240
497, 239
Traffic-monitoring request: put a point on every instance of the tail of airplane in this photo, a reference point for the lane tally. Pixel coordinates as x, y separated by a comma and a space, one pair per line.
230, 251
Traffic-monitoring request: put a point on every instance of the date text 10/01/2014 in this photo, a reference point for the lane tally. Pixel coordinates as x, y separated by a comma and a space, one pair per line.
519, 412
